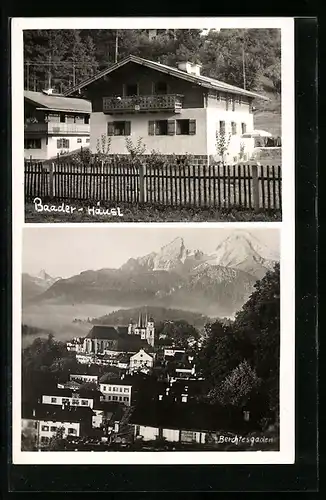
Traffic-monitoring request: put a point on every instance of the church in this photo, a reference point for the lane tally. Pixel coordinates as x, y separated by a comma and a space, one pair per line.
144, 328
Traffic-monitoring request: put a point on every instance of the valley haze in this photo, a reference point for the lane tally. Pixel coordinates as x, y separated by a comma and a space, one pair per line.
211, 271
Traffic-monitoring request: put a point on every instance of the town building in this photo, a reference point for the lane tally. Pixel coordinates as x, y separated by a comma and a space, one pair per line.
111, 340
185, 423
41, 422
70, 397
116, 390
84, 378
141, 361
54, 124
175, 110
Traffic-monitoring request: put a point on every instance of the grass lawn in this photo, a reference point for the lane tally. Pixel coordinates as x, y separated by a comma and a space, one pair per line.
150, 213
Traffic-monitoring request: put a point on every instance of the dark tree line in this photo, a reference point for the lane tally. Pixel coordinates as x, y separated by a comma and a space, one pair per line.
241, 360
62, 58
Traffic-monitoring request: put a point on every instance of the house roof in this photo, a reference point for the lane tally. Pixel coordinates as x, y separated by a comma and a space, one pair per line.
103, 332
108, 379
203, 81
57, 103
187, 416
56, 413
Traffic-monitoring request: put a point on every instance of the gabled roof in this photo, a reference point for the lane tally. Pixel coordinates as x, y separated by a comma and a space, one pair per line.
57, 103
103, 332
203, 81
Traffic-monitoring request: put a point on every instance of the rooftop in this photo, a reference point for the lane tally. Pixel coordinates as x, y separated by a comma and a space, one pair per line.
203, 81
56, 413
190, 416
57, 103
108, 379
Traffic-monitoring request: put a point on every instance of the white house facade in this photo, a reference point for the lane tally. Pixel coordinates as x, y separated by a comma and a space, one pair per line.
175, 110
54, 125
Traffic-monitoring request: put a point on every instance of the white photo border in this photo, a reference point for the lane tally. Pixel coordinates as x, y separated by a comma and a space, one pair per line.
286, 454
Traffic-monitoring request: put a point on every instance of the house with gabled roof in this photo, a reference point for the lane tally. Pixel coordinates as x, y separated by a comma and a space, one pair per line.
175, 110
54, 124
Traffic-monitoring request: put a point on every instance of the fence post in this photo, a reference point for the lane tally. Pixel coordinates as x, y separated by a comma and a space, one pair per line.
51, 180
142, 184
255, 187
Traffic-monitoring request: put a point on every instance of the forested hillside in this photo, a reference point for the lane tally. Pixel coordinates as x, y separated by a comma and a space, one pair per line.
62, 58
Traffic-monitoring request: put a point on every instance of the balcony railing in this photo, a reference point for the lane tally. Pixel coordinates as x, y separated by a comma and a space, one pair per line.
143, 104
54, 128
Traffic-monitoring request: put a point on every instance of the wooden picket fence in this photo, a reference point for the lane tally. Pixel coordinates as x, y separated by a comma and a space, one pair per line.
221, 186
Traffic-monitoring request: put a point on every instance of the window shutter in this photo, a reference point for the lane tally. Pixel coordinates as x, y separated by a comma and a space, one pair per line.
192, 127
171, 127
227, 102
151, 127
233, 103
110, 128
127, 128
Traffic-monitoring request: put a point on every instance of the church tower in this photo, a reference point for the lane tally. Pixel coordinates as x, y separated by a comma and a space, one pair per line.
150, 331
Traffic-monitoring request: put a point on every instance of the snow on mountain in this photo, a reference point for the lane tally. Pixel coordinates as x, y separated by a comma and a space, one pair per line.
243, 251
172, 257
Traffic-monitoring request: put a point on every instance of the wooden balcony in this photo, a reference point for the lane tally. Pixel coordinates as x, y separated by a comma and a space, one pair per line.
170, 103
56, 128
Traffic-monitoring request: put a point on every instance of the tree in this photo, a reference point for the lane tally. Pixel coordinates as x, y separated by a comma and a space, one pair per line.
237, 388
222, 351
259, 318
58, 442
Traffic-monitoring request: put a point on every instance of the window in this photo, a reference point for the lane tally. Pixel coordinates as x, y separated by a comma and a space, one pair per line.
120, 398
62, 118
79, 140
75, 401
159, 127
71, 430
86, 120
84, 402
53, 428
186, 127
131, 89
121, 389
126, 389
243, 128
53, 400
62, 143
87, 140
109, 398
126, 399
32, 144
222, 127
160, 88
233, 103
65, 401
44, 439
227, 102
45, 428
119, 128
234, 128
114, 398
115, 389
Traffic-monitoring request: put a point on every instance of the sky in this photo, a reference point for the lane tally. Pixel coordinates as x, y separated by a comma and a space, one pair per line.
66, 251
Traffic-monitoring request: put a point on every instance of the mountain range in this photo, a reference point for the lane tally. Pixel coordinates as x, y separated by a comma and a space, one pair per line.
214, 284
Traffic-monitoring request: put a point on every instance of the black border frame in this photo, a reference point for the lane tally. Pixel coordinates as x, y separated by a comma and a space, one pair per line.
303, 475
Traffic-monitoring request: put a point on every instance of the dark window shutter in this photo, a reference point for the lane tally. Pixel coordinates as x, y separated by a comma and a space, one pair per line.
171, 127
58, 143
227, 102
151, 127
110, 128
127, 128
233, 103
192, 127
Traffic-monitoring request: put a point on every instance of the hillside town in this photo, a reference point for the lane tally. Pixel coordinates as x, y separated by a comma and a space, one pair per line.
129, 388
